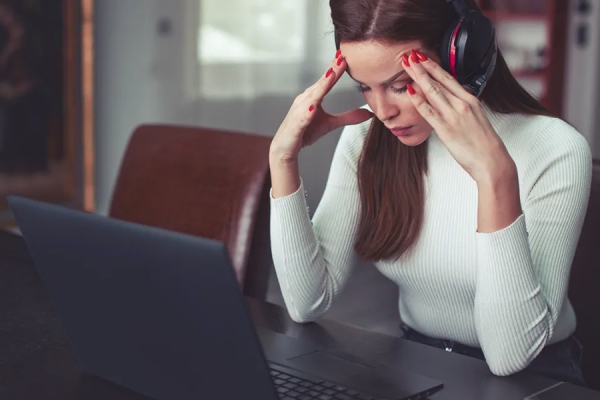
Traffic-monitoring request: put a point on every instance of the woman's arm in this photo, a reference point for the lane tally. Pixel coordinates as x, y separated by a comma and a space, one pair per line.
313, 264
313, 260
523, 268
524, 263
285, 176
498, 202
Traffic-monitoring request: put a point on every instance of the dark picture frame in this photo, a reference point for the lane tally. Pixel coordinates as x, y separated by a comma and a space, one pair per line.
46, 102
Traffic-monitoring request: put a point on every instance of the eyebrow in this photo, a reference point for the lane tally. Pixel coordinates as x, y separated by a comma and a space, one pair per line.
387, 82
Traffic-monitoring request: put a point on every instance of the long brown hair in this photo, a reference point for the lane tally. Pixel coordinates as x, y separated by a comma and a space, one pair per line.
391, 174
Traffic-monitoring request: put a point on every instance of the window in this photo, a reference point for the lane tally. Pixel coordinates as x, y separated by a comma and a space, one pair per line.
251, 31
250, 48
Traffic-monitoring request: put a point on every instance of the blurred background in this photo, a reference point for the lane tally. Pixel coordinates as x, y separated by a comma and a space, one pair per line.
233, 64
238, 65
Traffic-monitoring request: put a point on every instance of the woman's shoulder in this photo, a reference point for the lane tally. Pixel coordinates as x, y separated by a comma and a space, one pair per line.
541, 135
541, 144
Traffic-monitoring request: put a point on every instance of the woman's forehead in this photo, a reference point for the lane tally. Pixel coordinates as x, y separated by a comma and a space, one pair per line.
371, 61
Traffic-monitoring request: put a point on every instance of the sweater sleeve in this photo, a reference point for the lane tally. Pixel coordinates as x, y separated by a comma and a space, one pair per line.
313, 260
523, 270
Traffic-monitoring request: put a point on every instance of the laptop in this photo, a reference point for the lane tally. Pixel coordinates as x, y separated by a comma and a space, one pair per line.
161, 313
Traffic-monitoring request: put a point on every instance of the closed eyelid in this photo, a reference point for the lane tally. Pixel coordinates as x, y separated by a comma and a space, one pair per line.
403, 80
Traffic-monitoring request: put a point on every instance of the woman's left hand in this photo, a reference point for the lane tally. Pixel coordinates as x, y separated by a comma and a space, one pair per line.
458, 118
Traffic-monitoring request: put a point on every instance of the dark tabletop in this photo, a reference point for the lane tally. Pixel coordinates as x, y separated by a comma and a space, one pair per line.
36, 361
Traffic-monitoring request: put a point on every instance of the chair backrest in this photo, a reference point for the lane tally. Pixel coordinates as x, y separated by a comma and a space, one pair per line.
584, 289
204, 182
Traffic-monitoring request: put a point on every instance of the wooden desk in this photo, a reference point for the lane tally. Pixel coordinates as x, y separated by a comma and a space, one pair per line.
37, 363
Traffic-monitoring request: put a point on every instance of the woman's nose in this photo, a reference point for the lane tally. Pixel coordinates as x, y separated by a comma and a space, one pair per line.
386, 110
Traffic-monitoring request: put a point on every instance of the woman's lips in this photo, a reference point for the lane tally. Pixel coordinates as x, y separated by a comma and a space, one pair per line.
401, 131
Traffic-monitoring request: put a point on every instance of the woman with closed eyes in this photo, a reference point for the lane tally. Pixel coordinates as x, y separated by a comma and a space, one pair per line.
469, 196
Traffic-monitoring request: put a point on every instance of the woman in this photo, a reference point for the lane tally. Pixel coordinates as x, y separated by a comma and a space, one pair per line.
473, 206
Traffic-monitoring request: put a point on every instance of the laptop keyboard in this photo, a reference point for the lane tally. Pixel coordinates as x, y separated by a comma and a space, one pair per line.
291, 387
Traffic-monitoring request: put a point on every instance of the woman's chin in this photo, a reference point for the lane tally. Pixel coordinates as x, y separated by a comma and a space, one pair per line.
414, 139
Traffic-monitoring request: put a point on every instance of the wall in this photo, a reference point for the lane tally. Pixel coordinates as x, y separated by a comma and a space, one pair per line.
126, 91
143, 76
582, 85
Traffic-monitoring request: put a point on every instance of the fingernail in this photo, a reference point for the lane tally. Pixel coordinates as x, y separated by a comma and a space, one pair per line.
422, 57
411, 90
329, 71
338, 53
413, 56
340, 59
311, 108
405, 60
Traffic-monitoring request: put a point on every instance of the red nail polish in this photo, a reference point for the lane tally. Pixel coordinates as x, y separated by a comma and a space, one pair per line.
413, 56
311, 108
329, 71
340, 59
405, 60
411, 89
422, 57
338, 54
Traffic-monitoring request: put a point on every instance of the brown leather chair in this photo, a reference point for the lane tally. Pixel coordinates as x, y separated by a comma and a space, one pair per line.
584, 289
203, 182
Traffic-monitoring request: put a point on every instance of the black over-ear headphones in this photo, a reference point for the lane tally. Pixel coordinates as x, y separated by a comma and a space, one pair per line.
468, 50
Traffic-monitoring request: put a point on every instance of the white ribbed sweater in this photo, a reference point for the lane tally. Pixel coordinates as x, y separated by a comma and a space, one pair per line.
505, 292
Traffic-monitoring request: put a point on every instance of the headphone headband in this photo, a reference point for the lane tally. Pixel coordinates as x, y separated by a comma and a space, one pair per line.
461, 8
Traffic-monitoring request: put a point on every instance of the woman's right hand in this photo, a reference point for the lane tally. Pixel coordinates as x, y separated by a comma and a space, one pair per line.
306, 121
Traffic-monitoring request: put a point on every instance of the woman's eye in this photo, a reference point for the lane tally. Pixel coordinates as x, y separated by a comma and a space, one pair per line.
398, 90
401, 89
363, 89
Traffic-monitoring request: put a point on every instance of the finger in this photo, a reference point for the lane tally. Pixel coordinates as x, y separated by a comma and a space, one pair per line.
461, 99
351, 117
427, 111
437, 95
448, 81
305, 115
337, 66
329, 79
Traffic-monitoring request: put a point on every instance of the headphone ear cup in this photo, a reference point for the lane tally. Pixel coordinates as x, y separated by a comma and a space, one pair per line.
479, 42
446, 45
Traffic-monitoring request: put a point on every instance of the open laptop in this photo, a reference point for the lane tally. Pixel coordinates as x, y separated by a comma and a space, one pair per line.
161, 313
